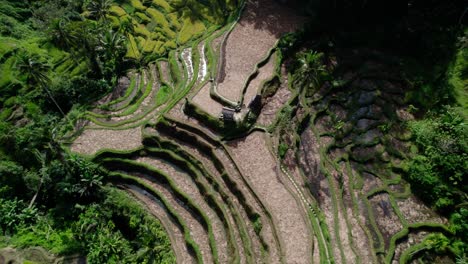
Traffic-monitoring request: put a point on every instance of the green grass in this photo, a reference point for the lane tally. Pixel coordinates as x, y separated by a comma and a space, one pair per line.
143, 17
173, 19
189, 30
163, 94
158, 17
142, 31
132, 50
117, 11
161, 3
137, 5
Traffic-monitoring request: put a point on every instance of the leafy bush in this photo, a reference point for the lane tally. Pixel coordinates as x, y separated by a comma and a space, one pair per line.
282, 149
441, 168
15, 213
163, 94
438, 173
119, 231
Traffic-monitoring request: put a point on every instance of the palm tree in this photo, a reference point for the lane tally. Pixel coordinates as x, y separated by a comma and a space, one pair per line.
111, 43
309, 70
98, 9
42, 158
33, 68
127, 29
61, 34
110, 48
36, 70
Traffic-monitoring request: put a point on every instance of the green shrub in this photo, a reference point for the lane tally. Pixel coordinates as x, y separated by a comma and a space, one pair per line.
158, 17
282, 149
163, 94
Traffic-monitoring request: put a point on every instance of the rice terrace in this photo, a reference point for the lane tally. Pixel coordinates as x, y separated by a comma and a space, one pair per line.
225, 131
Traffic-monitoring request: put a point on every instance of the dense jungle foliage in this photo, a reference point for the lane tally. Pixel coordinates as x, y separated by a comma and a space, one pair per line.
56, 58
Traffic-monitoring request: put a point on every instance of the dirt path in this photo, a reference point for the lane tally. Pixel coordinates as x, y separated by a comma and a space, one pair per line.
257, 163
261, 24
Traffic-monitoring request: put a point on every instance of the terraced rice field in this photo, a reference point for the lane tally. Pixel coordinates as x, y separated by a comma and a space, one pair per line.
335, 196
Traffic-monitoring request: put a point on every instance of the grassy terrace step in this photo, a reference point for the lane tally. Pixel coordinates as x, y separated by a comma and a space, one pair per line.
219, 166
226, 192
175, 232
180, 222
206, 192
222, 161
210, 196
180, 89
145, 89
164, 72
130, 92
160, 178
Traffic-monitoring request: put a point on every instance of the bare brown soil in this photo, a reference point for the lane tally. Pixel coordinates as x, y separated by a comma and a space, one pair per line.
165, 72
274, 103
199, 234
264, 73
186, 185
385, 217
93, 140
209, 166
206, 103
414, 211
257, 163
260, 26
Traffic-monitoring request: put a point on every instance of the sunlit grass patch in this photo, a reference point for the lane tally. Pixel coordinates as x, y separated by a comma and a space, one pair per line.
138, 5
168, 8
143, 17
141, 30
159, 48
158, 17
163, 94
132, 49
174, 20
117, 11
190, 29
149, 45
